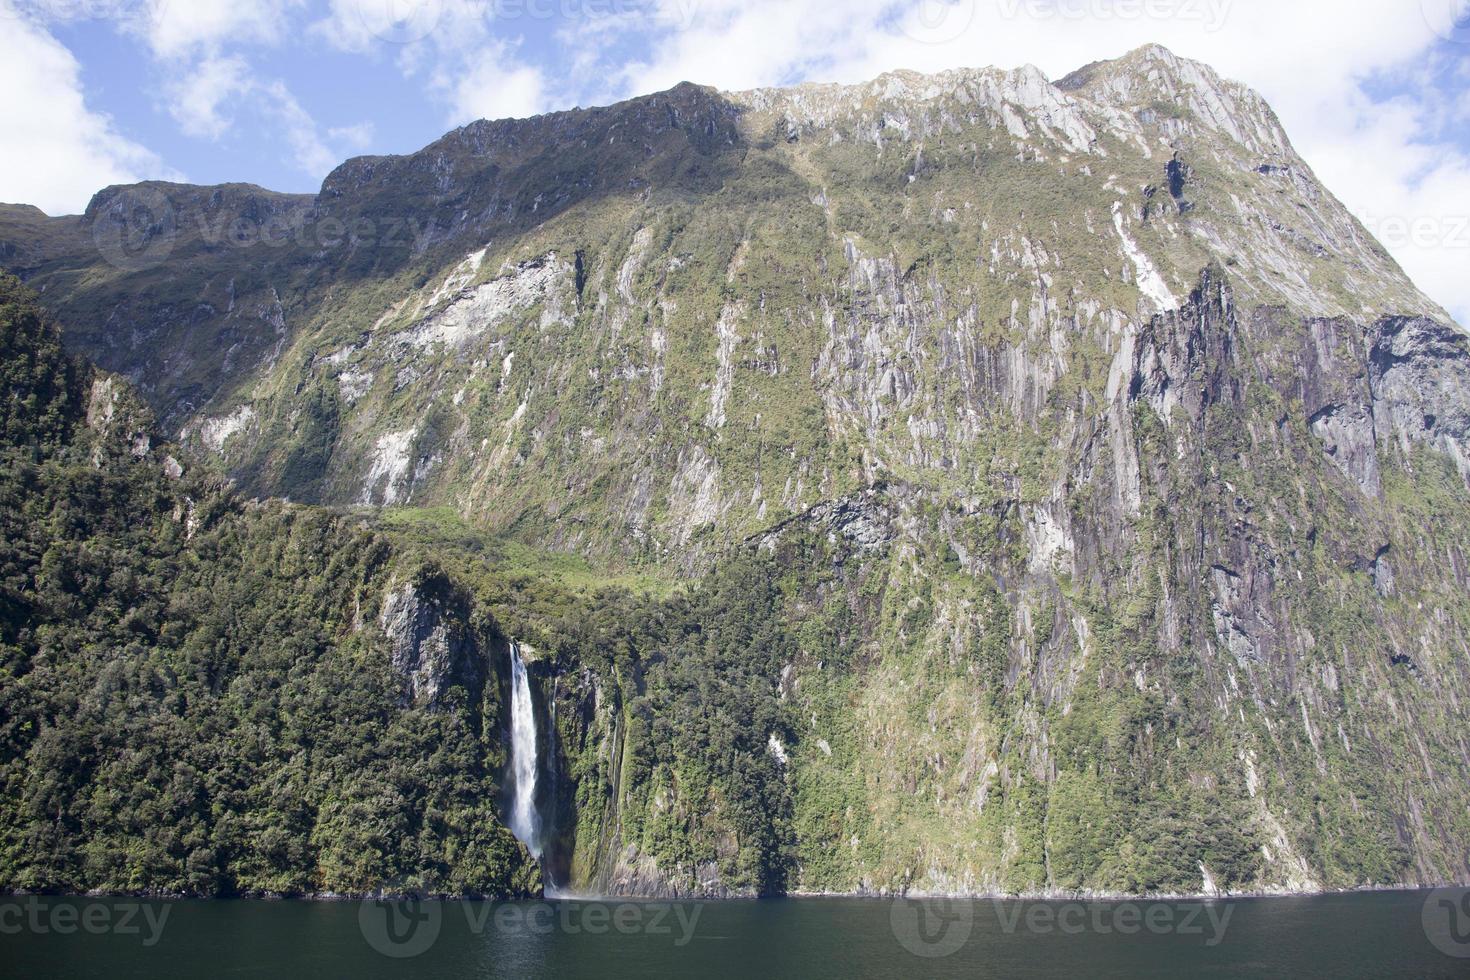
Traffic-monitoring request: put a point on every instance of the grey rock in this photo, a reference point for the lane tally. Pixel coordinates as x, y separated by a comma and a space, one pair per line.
1420, 374
431, 642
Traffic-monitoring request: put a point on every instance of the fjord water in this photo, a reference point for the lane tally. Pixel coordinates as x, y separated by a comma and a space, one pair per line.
1368, 935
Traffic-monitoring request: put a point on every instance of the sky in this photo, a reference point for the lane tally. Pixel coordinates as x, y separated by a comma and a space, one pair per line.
1375, 93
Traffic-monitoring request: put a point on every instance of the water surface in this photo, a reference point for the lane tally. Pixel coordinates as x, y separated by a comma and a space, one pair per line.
1376, 936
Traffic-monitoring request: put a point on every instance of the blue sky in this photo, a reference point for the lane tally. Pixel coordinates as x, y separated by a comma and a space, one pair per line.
1376, 93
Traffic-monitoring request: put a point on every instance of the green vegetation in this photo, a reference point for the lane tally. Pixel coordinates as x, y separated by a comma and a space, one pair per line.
189, 700
863, 528
41, 387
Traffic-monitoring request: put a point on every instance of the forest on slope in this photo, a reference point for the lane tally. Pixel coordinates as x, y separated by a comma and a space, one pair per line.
189, 701
959, 483
196, 697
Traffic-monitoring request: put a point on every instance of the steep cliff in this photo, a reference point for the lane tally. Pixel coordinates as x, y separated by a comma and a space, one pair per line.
1073, 492
1195, 655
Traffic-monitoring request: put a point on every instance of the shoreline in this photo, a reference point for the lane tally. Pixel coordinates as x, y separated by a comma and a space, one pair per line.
1118, 897
798, 896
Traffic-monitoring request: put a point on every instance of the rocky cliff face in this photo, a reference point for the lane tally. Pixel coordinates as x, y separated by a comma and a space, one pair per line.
179, 289
1114, 466
700, 312
432, 642
1192, 635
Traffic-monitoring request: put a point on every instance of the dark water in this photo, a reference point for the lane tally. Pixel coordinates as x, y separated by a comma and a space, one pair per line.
1372, 936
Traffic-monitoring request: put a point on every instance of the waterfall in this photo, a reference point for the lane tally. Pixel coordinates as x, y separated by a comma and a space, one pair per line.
525, 822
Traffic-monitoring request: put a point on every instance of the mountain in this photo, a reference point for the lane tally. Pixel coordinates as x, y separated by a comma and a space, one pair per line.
1073, 491
192, 700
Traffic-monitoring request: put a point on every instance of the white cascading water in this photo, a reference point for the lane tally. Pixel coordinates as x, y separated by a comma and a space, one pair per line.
525, 822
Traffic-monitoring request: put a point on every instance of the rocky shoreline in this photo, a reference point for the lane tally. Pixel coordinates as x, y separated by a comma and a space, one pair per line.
881, 895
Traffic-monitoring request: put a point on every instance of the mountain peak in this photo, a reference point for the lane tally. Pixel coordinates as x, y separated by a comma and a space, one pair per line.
1128, 175
1153, 50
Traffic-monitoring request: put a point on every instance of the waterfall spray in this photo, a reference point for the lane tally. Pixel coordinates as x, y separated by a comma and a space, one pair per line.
525, 822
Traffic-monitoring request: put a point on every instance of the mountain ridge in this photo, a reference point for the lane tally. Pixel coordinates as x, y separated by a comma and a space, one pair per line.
1078, 492
1150, 65
1203, 190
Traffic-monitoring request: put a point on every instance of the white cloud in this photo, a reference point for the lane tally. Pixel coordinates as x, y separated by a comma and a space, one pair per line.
197, 97
1414, 196
490, 90
57, 151
179, 28
208, 99
208, 91
344, 27
362, 25
450, 45
737, 45
355, 138
309, 147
